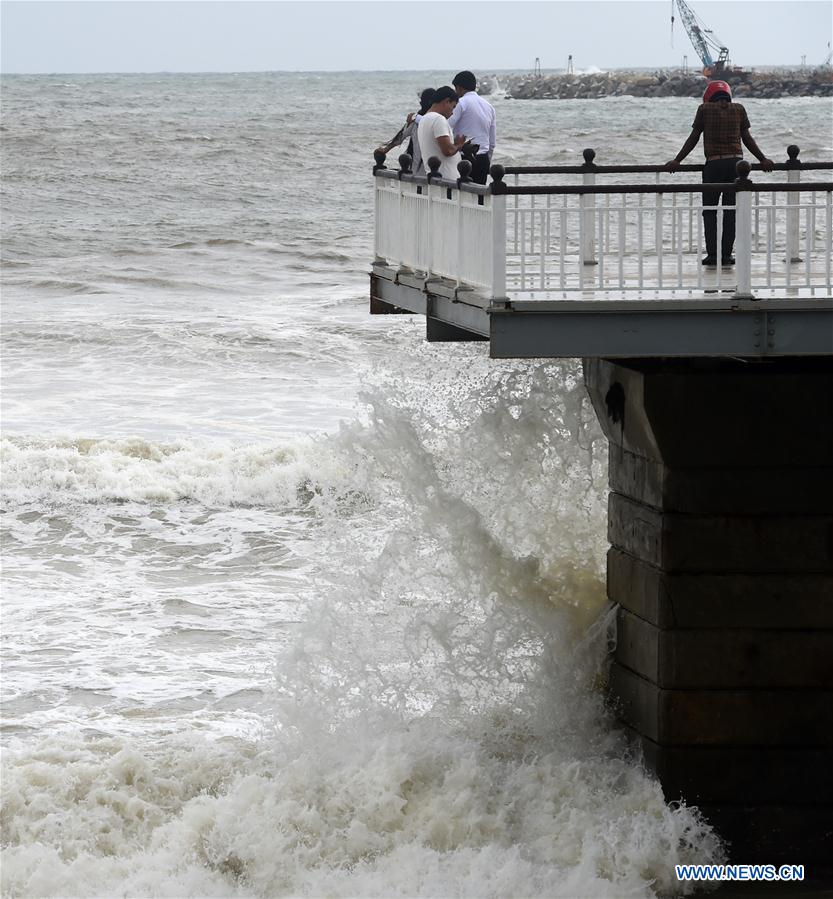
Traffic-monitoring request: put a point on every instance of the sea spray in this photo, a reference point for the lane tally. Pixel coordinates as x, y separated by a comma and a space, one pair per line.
458, 717
434, 726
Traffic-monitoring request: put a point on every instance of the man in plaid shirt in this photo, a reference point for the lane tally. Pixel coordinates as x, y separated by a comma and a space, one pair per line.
724, 125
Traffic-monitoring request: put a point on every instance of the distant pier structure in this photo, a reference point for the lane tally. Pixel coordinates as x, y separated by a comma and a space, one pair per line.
715, 390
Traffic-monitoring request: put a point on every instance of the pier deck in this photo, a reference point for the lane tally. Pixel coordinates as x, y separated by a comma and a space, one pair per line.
709, 321
567, 270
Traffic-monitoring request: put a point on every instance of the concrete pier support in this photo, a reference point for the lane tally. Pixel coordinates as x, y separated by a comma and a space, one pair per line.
721, 564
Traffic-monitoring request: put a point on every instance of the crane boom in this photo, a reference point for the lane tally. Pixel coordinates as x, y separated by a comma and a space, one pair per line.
702, 40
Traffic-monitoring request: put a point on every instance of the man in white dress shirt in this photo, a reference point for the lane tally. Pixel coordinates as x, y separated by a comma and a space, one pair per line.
474, 117
435, 135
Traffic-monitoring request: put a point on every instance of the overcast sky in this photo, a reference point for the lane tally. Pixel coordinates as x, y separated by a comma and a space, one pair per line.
68, 36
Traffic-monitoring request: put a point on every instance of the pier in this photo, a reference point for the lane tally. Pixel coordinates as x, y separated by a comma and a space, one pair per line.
559, 264
714, 387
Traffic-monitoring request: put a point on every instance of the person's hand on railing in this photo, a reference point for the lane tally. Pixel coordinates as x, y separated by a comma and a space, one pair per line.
767, 164
673, 165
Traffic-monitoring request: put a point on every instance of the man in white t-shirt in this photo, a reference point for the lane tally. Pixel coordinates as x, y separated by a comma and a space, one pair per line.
435, 136
476, 118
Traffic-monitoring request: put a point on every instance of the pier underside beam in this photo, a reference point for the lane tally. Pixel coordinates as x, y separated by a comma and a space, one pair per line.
630, 328
733, 328
438, 331
721, 564
452, 314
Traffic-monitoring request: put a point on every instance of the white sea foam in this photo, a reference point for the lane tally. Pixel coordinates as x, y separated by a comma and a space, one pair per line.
213, 474
418, 811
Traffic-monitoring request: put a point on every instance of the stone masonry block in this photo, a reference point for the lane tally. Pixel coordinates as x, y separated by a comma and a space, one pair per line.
717, 413
722, 491
739, 775
725, 659
711, 544
764, 718
778, 834
719, 600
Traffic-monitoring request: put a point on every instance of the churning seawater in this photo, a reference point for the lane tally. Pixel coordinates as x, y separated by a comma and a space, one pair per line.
295, 603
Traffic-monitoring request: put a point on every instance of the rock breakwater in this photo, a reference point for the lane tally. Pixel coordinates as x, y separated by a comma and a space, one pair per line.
765, 85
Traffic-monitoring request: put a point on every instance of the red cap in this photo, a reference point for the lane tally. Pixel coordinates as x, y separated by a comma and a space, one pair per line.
716, 87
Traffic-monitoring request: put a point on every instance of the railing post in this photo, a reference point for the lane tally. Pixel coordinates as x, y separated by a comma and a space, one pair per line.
743, 238
433, 172
793, 202
588, 204
658, 224
379, 158
405, 162
464, 168
498, 189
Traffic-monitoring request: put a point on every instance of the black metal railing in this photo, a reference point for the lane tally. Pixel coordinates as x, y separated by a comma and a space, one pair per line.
500, 172
793, 163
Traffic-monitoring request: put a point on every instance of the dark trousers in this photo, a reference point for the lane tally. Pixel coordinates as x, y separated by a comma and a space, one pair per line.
480, 168
717, 171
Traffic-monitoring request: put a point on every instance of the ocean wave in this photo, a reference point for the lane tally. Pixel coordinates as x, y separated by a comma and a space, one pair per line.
211, 242
136, 470
75, 287
144, 279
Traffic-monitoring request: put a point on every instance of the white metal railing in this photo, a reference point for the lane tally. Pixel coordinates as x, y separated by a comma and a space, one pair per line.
575, 241
653, 243
442, 231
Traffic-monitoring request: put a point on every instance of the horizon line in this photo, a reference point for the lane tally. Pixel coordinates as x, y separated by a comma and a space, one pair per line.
510, 70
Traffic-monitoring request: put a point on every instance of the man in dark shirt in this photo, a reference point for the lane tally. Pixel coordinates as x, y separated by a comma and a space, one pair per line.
724, 125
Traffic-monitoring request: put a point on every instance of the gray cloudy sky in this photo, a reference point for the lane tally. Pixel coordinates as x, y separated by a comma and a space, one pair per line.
238, 35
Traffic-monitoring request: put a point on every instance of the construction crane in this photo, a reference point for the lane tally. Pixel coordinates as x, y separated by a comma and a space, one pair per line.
703, 40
